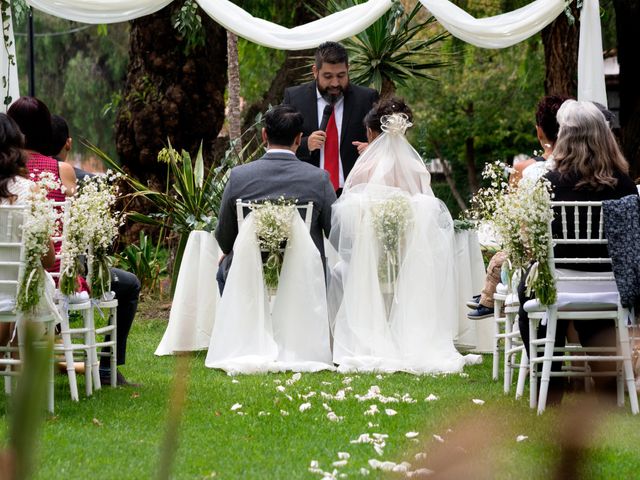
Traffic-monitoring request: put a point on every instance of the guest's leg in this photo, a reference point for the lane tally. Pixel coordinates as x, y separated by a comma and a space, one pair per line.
600, 333
492, 279
127, 289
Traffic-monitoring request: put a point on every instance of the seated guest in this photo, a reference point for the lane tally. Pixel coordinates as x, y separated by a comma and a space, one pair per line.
395, 305
547, 133
61, 144
14, 186
249, 336
279, 173
588, 167
34, 119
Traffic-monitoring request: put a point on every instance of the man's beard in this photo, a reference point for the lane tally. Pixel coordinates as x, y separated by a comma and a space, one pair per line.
331, 98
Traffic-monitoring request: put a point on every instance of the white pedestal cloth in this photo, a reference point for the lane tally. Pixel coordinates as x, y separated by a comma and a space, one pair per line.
194, 303
471, 274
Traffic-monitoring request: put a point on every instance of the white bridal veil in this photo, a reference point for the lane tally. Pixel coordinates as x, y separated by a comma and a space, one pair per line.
393, 292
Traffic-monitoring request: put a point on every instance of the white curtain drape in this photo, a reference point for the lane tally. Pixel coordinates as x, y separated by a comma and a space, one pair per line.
498, 31
99, 11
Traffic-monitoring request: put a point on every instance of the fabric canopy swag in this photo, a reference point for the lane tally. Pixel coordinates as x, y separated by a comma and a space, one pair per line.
499, 31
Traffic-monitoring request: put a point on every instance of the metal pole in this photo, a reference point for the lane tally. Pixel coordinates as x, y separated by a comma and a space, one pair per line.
32, 77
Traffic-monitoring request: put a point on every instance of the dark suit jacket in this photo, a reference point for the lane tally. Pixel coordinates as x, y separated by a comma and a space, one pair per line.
357, 103
270, 177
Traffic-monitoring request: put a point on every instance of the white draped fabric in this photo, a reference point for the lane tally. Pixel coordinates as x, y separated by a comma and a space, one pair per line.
498, 31
337, 26
99, 11
246, 337
393, 291
193, 310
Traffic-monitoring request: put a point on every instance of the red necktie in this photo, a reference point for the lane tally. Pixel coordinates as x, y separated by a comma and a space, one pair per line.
331, 152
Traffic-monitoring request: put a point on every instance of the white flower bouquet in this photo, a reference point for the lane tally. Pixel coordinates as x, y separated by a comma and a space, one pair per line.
92, 224
273, 228
40, 222
391, 219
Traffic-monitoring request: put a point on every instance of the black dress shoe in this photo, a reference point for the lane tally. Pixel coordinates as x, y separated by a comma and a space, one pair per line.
105, 380
474, 303
480, 313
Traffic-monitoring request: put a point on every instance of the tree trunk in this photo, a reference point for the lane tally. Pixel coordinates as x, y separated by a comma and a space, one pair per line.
560, 40
388, 87
627, 21
233, 104
170, 94
295, 66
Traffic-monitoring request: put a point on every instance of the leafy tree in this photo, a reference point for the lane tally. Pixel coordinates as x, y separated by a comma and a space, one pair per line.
395, 48
78, 70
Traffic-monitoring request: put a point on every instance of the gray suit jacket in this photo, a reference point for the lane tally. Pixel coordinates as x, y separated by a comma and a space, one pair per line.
274, 175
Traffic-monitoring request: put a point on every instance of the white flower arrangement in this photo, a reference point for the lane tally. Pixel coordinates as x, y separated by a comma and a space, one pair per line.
521, 215
40, 221
92, 225
391, 219
273, 228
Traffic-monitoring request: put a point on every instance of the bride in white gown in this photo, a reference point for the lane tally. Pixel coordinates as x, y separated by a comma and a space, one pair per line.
393, 291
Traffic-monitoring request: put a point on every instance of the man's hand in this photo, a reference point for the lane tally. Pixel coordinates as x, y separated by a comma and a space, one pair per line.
361, 146
316, 140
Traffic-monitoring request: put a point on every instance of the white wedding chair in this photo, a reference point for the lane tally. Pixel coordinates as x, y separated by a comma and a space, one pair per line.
66, 305
12, 265
579, 307
499, 321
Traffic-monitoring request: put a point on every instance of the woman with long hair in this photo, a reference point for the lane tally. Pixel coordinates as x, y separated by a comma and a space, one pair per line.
14, 185
588, 166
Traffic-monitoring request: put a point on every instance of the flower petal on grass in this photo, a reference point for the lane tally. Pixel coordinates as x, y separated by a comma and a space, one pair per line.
521, 438
340, 463
236, 406
438, 438
284, 413
333, 417
235, 381
280, 388
411, 434
420, 456
364, 472
477, 401
344, 455
304, 406
431, 398
390, 411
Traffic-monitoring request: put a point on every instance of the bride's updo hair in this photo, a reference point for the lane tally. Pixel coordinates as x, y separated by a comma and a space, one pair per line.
386, 106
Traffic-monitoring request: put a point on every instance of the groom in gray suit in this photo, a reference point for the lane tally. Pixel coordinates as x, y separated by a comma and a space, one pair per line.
279, 173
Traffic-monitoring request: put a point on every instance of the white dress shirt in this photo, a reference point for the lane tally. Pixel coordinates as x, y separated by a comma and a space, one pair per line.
338, 109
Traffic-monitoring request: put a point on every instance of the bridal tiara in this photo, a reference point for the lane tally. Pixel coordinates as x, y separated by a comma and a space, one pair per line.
396, 123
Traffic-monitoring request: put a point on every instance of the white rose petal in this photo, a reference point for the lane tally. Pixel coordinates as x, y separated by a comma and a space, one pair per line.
313, 464
411, 434
521, 438
280, 388
378, 448
284, 413
431, 398
304, 406
364, 472
420, 456
438, 438
236, 406
339, 463
333, 417
343, 455
234, 381
477, 401
423, 472
389, 411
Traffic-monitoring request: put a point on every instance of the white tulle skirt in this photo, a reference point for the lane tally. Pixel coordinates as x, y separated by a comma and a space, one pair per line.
250, 335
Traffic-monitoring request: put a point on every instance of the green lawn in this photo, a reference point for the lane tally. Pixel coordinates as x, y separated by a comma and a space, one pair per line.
118, 432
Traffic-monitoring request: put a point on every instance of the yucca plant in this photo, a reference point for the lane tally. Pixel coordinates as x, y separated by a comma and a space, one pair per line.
390, 51
192, 197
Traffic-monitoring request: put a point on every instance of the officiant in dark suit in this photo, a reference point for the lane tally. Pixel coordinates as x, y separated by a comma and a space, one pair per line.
332, 144
279, 173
